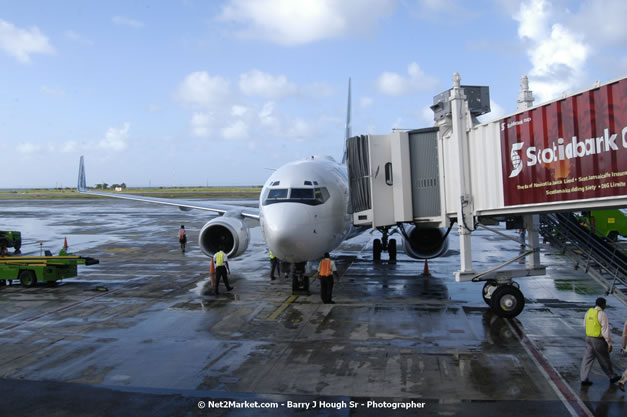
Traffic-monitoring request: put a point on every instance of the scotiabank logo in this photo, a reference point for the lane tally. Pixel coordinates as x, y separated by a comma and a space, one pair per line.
561, 150
514, 157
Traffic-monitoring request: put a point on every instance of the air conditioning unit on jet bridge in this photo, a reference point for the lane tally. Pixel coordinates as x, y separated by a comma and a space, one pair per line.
395, 178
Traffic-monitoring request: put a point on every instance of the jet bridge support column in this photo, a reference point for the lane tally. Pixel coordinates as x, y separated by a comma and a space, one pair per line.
465, 219
532, 222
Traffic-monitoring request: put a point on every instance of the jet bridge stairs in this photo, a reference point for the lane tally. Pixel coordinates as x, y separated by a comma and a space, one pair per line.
601, 258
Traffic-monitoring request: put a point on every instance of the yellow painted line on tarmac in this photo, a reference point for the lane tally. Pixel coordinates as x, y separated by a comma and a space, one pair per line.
121, 250
282, 307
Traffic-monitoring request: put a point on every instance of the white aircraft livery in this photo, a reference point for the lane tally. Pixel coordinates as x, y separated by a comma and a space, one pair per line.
304, 211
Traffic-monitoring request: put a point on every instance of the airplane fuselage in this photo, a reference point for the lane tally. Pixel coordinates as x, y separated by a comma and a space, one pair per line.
304, 209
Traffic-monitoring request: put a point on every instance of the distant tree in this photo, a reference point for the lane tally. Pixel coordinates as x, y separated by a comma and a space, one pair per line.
102, 186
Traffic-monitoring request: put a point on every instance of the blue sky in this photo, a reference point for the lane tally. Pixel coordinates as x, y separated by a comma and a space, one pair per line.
190, 92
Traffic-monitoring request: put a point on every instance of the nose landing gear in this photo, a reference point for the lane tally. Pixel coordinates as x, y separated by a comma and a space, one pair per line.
300, 281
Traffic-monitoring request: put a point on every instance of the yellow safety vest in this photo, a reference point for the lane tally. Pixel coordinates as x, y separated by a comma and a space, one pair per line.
325, 267
593, 327
272, 255
219, 258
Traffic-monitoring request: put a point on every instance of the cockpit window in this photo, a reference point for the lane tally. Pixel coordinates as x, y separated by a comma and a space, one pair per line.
302, 193
310, 196
277, 193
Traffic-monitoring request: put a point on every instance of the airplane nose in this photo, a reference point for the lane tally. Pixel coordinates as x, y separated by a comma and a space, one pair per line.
290, 231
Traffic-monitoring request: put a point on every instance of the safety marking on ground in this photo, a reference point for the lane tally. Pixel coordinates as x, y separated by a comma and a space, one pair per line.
571, 401
282, 307
60, 309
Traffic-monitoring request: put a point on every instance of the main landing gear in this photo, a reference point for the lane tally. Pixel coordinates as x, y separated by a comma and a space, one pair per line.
505, 298
381, 245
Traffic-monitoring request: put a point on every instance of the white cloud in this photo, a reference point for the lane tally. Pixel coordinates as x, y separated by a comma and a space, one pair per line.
238, 110
77, 37
201, 124
21, 43
426, 114
236, 130
257, 83
393, 84
115, 139
496, 112
557, 54
28, 148
299, 129
365, 102
201, 89
268, 118
127, 21
602, 21
289, 22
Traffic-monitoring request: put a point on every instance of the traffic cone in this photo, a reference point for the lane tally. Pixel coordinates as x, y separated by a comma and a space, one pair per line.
212, 274
65, 243
426, 270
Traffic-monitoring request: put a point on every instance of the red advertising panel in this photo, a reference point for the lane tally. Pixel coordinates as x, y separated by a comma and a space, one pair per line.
570, 149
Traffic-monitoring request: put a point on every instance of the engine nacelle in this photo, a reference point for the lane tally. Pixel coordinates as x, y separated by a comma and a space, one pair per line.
224, 232
425, 243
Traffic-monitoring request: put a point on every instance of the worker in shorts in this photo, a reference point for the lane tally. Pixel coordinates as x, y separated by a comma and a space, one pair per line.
182, 238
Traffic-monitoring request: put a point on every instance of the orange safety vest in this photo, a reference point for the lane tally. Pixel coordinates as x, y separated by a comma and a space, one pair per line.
181, 234
325, 267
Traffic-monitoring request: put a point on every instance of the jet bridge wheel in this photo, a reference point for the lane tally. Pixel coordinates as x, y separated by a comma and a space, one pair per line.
377, 248
28, 278
507, 301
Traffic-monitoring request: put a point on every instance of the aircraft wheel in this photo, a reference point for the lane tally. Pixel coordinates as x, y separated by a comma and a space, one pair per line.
392, 250
486, 288
507, 301
28, 278
376, 250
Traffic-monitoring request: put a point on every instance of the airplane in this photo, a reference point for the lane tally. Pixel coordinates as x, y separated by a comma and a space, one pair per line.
304, 212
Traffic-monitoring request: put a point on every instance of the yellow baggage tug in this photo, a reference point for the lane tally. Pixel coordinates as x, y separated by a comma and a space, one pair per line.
32, 269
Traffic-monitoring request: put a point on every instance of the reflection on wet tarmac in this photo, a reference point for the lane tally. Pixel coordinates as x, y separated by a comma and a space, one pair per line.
393, 334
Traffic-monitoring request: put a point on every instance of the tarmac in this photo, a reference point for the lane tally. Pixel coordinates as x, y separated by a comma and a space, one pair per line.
141, 335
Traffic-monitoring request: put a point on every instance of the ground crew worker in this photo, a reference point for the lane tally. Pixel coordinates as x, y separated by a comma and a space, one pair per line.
598, 343
182, 238
222, 269
275, 265
623, 379
326, 271
3, 251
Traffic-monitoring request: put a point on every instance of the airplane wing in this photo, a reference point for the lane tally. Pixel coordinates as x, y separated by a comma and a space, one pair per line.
246, 212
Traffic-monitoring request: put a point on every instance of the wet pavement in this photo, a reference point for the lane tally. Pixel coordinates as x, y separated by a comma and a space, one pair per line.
395, 343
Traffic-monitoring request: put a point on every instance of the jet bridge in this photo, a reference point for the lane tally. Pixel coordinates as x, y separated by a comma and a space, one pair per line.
564, 155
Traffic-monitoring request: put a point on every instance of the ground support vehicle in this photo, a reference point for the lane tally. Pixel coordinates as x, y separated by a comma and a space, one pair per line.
30, 270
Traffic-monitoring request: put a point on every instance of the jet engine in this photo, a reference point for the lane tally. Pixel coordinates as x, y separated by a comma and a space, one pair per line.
425, 243
228, 233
